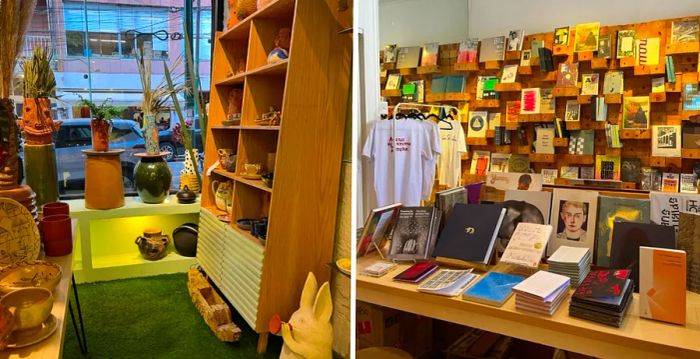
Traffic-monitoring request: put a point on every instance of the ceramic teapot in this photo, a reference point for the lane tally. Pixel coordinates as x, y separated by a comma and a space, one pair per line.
223, 192
152, 244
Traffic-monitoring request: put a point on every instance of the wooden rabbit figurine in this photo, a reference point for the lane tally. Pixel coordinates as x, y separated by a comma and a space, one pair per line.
309, 333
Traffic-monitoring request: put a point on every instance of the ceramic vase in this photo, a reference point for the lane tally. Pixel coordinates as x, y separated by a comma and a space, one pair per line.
9, 161
36, 124
152, 178
40, 172
101, 130
152, 244
150, 135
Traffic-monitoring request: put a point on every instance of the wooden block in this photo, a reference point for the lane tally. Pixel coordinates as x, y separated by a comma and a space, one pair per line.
682, 48
584, 56
657, 97
629, 185
657, 161
550, 77
543, 157
422, 70
613, 151
407, 71
690, 153
512, 125
635, 134
457, 96
389, 66
674, 162
391, 93
493, 65
627, 61
593, 125
464, 156
474, 141
502, 149
673, 119
468, 67
565, 91
537, 117
486, 104
584, 99
508, 87
673, 86
561, 50
435, 97
599, 63
512, 55
561, 142
579, 159
641, 70
490, 133
523, 150
524, 70
572, 125
613, 98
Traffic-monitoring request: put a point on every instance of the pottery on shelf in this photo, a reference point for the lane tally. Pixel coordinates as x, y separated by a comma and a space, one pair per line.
101, 131
152, 178
33, 306
223, 192
36, 124
152, 244
227, 159
40, 171
185, 239
267, 178
186, 196
40, 274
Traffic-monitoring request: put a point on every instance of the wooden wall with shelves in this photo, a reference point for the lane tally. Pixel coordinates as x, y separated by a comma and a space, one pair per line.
665, 107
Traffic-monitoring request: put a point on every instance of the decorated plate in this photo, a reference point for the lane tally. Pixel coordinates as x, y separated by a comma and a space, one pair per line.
19, 235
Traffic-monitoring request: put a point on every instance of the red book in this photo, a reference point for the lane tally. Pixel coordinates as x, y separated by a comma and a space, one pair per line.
417, 272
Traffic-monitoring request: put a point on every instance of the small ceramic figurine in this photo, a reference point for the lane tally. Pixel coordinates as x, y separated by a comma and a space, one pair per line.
309, 333
282, 43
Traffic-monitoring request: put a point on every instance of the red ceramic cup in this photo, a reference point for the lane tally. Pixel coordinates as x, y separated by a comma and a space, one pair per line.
54, 208
57, 235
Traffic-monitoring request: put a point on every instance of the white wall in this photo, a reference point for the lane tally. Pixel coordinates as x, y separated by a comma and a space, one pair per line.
495, 17
415, 22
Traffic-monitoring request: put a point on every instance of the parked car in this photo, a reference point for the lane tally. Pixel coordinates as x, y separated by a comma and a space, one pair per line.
169, 144
74, 136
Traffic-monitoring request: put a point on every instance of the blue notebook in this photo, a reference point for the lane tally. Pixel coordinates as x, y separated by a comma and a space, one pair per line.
493, 289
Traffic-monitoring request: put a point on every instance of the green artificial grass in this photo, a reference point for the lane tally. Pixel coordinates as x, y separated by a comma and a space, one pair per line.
152, 317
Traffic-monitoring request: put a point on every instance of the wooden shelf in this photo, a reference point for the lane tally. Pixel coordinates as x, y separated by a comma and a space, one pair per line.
247, 128
635, 134
584, 56
493, 65
236, 79
477, 141
584, 99
467, 67
486, 103
536, 117
599, 63
513, 55
579, 159
250, 182
424, 70
613, 98
278, 9
525, 70
627, 61
246, 234
448, 97
223, 128
508, 87
543, 157
275, 69
682, 48
561, 142
391, 93
690, 153
565, 91
657, 97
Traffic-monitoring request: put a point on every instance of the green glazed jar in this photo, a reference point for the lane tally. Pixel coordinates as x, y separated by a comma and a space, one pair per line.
152, 178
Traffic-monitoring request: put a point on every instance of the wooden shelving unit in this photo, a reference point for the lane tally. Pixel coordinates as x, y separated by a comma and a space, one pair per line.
263, 277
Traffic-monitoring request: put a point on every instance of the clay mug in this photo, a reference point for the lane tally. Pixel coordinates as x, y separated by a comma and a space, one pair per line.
252, 169
222, 194
57, 235
49, 209
152, 244
227, 159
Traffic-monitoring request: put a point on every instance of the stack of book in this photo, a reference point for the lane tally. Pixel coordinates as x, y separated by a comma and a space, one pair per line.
541, 293
573, 262
603, 297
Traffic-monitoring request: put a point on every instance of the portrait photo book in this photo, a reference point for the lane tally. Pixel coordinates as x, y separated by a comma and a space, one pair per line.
469, 236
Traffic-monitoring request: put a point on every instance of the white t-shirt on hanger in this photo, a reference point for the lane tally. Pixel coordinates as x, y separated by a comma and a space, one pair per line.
450, 162
431, 164
399, 176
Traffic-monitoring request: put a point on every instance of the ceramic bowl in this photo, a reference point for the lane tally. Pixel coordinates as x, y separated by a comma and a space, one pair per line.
185, 239
267, 178
245, 223
33, 306
41, 274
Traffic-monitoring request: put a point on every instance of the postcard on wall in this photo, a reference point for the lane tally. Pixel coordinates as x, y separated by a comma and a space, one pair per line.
631, 169
509, 73
393, 82
515, 40
519, 163
604, 47
549, 175
499, 162
666, 141
408, 57
429, 56
390, 53
573, 218
625, 43
607, 167
684, 31
525, 58
658, 84
647, 51
468, 51
545, 140
492, 49
512, 111
587, 172
589, 84
573, 111
530, 101
535, 46
547, 101
567, 76
691, 97
569, 172
480, 163
635, 113
614, 82
611, 208
561, 36
689, 183
587, 37
669, 182
478, 124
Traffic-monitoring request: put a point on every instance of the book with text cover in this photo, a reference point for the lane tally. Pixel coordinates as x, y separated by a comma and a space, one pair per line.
611, 208
492, 49
625, 43
607, 167
448, 282
573, 111
670, 182
408, 57
589, 84
666, 141
417, 272
446, 200
631, 169
519, 163
662, 276
414, 233
393, 82
561, 36
525, 57
468, 51
549, 175
478, 124
545, 140
606, 287
684, 31
614, 82
658, 85
604, 46
509, 73
493, 288
587, 37
515, 40
377, 228
647, 51
481, 161
527, 244
567, 76
530, 101
689, 183
499, 162
494, 120
512, 111
429, 55
469, 235
547, 101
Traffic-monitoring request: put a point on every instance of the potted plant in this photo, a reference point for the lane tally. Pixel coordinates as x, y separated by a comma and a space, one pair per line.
38, 127
101, 123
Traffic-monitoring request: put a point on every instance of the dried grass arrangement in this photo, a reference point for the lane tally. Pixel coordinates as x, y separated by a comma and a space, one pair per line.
15, 16
39, 79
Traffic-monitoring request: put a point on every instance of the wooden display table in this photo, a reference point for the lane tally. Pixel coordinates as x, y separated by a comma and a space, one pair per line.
104, 186
52, 347
637, 338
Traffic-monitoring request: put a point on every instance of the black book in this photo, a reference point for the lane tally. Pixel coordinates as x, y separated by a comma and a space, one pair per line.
629, 236
446, 200
413, 235
604, 288
546, 59
470, 234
